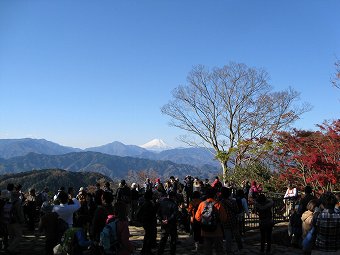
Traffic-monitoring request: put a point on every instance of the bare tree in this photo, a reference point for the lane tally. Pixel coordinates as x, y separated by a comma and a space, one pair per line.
229, 108
336, 77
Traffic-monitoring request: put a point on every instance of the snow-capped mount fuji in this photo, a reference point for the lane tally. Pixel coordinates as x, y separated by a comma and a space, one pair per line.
156, 145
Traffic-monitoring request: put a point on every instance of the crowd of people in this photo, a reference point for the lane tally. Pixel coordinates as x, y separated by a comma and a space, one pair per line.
314, 222
213, 213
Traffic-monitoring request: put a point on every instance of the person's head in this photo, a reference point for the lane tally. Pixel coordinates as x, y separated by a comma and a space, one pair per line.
328, 200
312, 204
10, 186
290, 185
225, 192
253, 183
216, 178
63, 197
120, 210
107, 198
122, 183
82, 197
261, 199
31, 192
107, 184
308, 189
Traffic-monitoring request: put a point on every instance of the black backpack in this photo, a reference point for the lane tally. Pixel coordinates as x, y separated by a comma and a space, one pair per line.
210, 217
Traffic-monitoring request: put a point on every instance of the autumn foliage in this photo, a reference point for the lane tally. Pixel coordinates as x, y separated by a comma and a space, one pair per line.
311, 157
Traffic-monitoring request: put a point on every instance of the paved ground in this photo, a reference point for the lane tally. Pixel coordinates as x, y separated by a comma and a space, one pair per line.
32, 244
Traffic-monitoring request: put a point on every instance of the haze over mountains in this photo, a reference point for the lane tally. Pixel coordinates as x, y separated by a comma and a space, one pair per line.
114, 159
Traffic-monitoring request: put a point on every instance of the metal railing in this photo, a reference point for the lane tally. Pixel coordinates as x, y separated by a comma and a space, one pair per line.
278, 213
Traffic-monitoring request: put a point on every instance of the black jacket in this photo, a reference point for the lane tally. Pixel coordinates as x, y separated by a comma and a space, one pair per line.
168, 209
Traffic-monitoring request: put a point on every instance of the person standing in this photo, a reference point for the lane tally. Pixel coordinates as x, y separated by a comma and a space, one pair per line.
66, 210
290, 199
124, 195
243, 209
263, 207
195, 225
15, 225
100, 215
212, 237
134, 201
167, 214
231, 226
30, 206
147, 216
305, 200
48, 224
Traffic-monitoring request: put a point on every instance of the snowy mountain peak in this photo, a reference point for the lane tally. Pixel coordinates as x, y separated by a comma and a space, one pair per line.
156, 145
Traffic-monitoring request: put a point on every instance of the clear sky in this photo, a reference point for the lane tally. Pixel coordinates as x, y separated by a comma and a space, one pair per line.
87, 73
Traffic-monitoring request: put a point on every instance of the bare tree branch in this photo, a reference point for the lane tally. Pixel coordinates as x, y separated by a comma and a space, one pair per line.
228, 108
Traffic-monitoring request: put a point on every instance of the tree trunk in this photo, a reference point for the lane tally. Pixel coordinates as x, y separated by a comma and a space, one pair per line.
224, 165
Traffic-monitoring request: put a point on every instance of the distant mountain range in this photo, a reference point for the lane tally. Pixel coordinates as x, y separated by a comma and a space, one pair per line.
114, 167
198, 157
19, 147
53, 179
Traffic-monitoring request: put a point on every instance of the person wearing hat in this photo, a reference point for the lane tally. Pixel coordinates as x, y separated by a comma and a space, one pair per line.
107, 187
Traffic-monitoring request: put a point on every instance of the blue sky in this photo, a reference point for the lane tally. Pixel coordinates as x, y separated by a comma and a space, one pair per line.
87, 73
